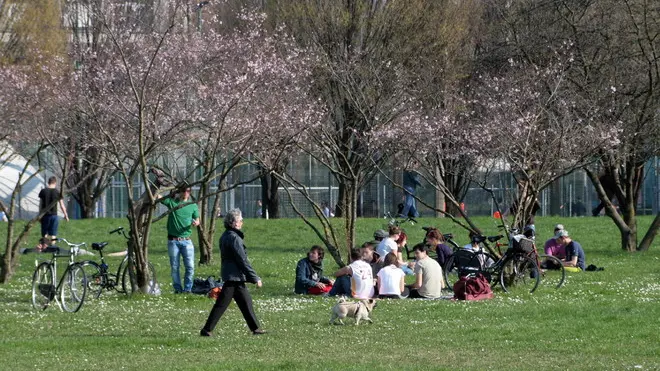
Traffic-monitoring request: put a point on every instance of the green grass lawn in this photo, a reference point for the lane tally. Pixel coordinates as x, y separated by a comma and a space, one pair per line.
600, 320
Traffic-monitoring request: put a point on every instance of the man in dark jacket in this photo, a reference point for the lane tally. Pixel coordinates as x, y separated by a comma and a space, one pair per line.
309, 274
235, 271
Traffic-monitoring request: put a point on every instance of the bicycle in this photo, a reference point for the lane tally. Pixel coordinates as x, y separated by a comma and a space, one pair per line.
520, 267
69, 293
553, 273
398, 221
99, 278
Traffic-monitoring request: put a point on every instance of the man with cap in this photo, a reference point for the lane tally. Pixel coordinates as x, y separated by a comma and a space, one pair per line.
553, 247
380, 235
575, 261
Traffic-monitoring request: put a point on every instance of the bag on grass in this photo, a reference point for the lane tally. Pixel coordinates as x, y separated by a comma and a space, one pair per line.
472, 287
203, 286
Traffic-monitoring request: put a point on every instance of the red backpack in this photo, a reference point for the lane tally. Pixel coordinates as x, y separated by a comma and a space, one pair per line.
472, 288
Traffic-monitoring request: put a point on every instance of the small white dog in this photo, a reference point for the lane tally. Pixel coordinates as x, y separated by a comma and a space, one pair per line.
359, 310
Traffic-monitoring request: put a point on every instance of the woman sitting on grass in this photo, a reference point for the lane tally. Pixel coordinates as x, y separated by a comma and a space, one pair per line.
401, 242
391, 283
435, 240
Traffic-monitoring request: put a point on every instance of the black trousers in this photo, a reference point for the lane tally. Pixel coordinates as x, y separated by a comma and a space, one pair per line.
239, 292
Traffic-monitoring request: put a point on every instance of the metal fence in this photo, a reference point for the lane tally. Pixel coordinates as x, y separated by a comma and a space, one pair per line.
572, 195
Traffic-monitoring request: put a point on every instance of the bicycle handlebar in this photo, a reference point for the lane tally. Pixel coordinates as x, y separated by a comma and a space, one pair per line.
72, 244
116, 230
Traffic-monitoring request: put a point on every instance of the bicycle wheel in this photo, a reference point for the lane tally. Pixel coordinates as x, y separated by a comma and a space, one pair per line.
43, 287
73, 288
450, 272
96, 281
519, 274
482, 262
126, 280
120, 274
553, 273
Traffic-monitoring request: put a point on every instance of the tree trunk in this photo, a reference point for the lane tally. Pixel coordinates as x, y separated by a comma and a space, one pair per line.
87, 207
628, 232
207, 219
274, 198
341, 201
270, 197
629, 237
350, 213
650, 234
138, 247
440, 202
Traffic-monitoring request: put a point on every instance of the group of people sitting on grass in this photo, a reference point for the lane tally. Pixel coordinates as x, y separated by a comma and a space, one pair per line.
377, 268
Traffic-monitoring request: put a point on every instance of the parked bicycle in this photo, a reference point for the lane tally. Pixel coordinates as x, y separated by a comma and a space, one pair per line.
520, 268
398, 220
553, 273
100, 278
69, 292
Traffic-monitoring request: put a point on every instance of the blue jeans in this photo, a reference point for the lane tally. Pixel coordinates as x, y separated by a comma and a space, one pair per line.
186, 249
49, 224
407, 270
410, 205
342, 287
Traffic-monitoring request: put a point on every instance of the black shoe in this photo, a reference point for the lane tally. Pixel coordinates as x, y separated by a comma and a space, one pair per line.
258, 332
203, 332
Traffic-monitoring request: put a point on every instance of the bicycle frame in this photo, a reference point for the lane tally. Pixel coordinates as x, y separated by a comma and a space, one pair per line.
56, 290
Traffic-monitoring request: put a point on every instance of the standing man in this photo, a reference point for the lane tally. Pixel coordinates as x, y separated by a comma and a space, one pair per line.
184, 214
410, 184
49, 197
428, 275
235, 270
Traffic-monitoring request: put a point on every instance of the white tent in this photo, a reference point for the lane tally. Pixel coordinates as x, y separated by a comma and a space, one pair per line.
11, 165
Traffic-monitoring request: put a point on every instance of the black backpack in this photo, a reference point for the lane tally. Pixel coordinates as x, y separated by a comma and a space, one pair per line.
203, 286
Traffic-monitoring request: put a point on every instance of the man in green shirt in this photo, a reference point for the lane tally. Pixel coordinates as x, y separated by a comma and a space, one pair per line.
179, 228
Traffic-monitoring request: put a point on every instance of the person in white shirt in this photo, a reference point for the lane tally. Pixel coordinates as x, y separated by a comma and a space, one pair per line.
391, 284
388, 245
356, 279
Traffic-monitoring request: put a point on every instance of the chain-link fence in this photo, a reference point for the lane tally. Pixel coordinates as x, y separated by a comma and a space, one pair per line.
572, 195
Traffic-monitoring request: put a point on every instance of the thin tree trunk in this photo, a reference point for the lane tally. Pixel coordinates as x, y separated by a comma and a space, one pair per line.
440, 201
621, 223
650, 234
274, 198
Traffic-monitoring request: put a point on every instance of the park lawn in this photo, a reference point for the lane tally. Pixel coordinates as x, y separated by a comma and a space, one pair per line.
600, 320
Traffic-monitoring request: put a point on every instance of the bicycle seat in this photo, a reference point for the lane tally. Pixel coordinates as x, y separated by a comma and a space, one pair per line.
98, 246
448, 236
495, 238
478, 239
